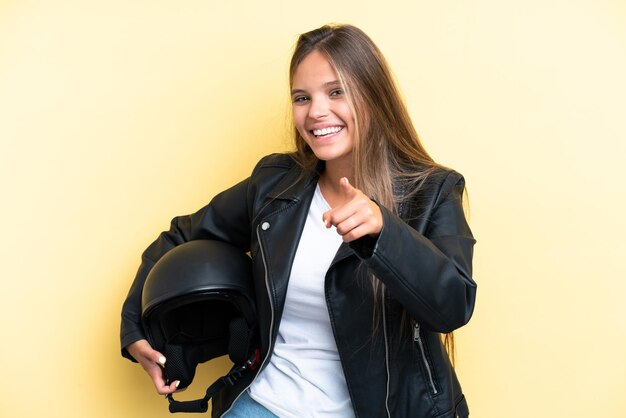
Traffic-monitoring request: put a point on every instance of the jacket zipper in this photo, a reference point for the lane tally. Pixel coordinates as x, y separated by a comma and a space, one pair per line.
269, 294
386, 356
271, 299
418, 339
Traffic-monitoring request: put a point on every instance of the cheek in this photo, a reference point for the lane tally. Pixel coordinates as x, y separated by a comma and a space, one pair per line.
304, 135
346, 113
299, 118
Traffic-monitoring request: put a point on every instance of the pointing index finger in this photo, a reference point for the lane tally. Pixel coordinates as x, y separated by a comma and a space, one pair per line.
346, 186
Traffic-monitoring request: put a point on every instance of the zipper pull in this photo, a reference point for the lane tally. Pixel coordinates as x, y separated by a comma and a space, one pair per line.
416, 332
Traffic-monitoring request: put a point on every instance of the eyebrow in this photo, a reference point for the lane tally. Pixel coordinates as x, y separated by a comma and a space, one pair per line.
327, 84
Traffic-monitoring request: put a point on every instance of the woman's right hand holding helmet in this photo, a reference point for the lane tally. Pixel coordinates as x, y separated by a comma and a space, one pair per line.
152, 362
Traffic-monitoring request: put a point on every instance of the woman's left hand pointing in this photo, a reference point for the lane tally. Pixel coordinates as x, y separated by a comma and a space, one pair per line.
356, 216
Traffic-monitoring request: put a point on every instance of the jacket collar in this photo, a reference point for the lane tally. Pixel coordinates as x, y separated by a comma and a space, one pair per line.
295, 181
292, 187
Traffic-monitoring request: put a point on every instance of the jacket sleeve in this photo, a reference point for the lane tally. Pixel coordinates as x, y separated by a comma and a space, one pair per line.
429, 273
225, 218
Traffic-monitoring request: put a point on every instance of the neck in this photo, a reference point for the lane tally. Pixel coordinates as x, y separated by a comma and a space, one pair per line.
333, 172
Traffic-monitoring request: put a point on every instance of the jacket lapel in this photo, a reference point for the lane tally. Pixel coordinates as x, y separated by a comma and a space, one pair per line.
279, 227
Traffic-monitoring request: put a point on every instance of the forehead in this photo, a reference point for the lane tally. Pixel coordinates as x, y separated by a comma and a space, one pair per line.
314, 69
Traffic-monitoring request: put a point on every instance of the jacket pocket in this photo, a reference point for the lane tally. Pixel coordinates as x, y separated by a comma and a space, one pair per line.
460, 410
425, 361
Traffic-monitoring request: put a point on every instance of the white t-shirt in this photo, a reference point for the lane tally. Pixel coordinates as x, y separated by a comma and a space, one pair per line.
304, 377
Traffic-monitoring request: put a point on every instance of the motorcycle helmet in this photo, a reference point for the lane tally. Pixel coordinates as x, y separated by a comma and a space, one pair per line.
198, 304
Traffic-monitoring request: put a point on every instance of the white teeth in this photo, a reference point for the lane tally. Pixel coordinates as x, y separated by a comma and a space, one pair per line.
326, 131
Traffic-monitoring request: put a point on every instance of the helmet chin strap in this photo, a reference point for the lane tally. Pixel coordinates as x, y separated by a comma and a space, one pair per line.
202, 405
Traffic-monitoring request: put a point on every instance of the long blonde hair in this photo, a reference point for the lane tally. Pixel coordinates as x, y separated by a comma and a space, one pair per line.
390, 162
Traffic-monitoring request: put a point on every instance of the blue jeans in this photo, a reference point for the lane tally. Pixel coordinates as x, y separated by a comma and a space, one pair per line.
246, 407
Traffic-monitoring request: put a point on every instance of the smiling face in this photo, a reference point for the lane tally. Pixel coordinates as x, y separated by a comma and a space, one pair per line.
321, 110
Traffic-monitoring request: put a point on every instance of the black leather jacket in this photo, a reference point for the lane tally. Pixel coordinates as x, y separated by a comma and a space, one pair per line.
423, 258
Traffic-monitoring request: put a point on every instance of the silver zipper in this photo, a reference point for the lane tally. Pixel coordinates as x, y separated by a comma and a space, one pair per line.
269, 295
386, 356
267, 287
417, 338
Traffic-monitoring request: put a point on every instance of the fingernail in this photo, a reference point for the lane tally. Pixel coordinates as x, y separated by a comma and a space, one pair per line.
162, 360
176, 383
346, 180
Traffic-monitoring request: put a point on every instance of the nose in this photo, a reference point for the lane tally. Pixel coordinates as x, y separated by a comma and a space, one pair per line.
319, 108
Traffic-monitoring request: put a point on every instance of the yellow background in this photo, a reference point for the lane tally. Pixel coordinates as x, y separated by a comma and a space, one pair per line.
116, 116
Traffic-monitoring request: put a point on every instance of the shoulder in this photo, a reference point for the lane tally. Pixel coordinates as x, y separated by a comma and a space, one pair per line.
444, 180
437, 179
275, 173
439, 172
273, 165
436, 185
277, 160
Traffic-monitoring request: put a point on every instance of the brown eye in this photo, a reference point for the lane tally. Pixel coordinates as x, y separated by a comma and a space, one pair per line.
300, 99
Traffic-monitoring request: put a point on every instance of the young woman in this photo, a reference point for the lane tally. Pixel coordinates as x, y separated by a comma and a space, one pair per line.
361, 252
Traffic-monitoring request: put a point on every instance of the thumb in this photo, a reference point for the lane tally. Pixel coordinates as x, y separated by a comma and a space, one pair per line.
158, 358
